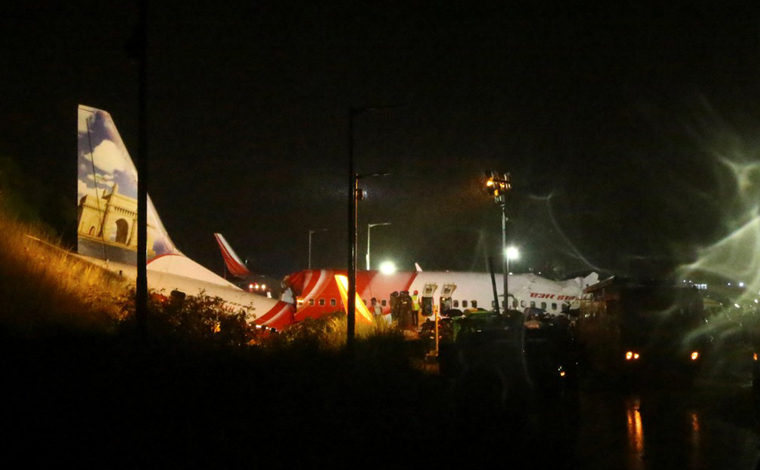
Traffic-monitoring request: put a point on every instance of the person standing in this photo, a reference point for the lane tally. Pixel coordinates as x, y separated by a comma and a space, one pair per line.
377, 309
405, 310
394, 307
416, 309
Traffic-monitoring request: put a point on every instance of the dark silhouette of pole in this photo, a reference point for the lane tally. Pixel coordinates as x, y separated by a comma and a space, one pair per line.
493, 284
352, 229
505, 256
141, 290
353, 196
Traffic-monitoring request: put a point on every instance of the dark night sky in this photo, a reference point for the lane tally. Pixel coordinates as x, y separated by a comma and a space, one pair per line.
612, 120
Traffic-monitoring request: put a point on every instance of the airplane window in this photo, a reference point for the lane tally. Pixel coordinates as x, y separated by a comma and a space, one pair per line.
384, 303
332, 303
522, 303
543, 305
322, 302
554, 306
456, 304
311, 302
474, 303
532, 304
464, 304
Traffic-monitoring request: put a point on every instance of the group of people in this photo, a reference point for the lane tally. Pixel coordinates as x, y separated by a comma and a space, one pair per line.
405, 309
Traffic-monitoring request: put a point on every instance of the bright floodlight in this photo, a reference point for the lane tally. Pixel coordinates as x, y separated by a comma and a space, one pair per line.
387, 267
512, 253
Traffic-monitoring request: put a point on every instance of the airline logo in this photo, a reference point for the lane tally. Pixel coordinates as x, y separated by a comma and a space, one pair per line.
538, 295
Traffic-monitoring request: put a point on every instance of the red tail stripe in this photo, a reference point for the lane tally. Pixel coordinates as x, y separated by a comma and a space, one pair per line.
233, 265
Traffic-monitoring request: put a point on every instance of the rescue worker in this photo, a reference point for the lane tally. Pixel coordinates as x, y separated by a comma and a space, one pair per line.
416, 309
405, 310
394, 307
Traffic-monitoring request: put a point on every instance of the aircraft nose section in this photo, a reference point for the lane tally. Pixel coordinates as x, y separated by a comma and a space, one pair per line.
281, 315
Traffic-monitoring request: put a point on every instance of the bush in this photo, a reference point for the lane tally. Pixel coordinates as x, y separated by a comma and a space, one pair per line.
194, 319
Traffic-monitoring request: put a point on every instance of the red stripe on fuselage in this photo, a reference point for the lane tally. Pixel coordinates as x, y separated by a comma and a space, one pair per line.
321, 286
280, 316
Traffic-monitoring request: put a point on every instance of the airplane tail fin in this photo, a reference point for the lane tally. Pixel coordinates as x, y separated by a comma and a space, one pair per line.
107, 195
234, 265
590, 280
417, 267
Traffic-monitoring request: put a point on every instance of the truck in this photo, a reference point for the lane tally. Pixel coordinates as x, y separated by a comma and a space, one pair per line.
641, 329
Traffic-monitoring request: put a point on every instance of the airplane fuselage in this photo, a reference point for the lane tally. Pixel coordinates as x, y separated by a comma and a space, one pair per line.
317, 292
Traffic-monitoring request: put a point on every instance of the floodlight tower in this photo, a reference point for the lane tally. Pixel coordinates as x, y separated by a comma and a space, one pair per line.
497, 185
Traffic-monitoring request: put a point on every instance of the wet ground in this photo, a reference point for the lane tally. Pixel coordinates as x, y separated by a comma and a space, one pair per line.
711, 425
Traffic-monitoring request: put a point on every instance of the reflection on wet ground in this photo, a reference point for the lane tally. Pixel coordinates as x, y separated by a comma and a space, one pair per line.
711, 426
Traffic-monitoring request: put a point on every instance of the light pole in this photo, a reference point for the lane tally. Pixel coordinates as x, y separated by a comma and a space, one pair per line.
354, 194
497, 185
312, 232
369, 228
510, 253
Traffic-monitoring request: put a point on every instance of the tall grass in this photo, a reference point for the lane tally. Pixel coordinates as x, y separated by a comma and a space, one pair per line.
44, 286
329, 332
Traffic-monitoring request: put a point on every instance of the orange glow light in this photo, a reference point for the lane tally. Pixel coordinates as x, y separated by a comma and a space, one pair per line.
694, 355
361, 309
628, 356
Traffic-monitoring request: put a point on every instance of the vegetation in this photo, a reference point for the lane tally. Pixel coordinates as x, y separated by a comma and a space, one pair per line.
43, 286
205, 388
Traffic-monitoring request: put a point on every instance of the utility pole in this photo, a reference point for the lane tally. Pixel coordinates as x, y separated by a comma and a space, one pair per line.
354, 195
141, 289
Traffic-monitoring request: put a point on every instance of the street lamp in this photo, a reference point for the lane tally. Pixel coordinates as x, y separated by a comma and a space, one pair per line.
354, 194
369, 228
497, 186
312, 232
387, 267
510, 253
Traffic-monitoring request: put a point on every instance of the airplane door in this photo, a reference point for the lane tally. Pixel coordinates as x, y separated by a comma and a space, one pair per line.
445, 300
427, 298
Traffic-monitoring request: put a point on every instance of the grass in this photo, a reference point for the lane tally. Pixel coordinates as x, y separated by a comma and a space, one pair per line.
43, 286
